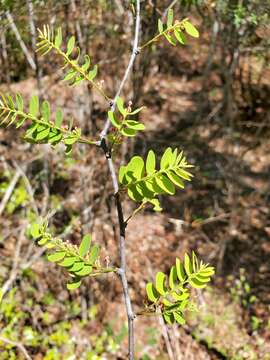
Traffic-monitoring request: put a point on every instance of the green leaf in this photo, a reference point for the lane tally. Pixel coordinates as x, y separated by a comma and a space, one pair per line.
156, 204
151, 162
170, 18
136, 111
180, 297
68, 261
135, 168
178, 318
86, 270
71, 139
75, 284
144, 191
58, 38
94, 253
188, 265
78, 80
93, 73
209, 271
175, 179
31, 129
191, 30
34, 105
160, 283
134, 125
128, 132
151, 292
195, 283
134, 194
55, 138
85, 245
120, 106
170, 39
156, 187
43, 241
19, 102
173, 277
195, 265
169, 318
68, 149
160, 26
121, 175
113, 120
86, 64
184, 174
50, 245
45, 111
42, 134
35, 230
166, 302
10, 102
166, 158
57, 256
180, 270
58, 117
202, 279
165, 184
180, 36
77, 266
70, 74
70, 45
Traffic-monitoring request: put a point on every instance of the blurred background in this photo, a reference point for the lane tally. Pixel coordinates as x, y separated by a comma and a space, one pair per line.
209, 98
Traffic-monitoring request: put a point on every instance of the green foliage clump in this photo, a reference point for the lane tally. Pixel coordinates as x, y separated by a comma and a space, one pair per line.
170, 296
124, 125
144, 182
79, 261
42, 128
48, 41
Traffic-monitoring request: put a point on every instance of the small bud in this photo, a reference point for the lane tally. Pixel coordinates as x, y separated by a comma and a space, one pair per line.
107, 260
101, 83
129, 106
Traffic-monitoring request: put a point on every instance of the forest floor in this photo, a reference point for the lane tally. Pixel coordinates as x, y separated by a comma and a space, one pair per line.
223, 214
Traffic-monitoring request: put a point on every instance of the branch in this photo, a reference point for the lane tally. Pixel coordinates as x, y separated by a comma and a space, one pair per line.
15, 268
9, 191
18, 345
128, 69
20, 41
45, 45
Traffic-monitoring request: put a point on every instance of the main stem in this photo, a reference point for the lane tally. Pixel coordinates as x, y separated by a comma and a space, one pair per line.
122, 250
121, 221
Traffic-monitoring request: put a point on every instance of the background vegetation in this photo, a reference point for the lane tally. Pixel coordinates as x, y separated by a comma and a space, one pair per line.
210, 98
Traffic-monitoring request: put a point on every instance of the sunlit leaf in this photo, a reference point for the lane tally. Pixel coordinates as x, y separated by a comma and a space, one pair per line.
85, 245
191, 30
151, 292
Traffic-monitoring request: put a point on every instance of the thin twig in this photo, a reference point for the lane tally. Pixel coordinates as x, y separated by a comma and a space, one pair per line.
15, 267
128, 69
20, 40
18, 345
9, 191
168, 8
28, 186
165, 335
